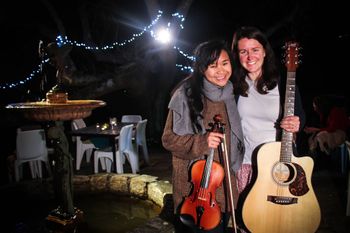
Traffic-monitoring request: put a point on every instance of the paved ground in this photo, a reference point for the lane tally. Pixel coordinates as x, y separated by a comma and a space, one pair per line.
328, 183
330, 187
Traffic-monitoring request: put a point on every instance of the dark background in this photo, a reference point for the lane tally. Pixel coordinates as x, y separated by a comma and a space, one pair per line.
321, 28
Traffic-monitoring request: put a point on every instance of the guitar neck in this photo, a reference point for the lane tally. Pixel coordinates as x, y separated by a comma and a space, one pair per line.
290, 94
287, 137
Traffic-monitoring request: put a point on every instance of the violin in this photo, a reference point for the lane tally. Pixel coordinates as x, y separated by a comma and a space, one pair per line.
200, 208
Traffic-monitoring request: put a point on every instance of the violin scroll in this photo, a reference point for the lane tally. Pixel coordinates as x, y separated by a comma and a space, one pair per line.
217, 126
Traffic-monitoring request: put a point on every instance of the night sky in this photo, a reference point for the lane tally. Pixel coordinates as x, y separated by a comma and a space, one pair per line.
321, 29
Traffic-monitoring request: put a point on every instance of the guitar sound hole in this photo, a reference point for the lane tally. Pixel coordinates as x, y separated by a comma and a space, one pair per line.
283, 173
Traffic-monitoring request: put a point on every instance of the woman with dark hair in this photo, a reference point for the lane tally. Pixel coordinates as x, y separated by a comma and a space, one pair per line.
196, 100
260, 96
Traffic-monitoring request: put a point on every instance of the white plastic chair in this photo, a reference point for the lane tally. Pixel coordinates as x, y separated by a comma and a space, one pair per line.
131, 118
82, 146
126, 148
31, 148
140, 139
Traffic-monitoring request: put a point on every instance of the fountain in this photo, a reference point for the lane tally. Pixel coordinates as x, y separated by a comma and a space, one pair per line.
57, 109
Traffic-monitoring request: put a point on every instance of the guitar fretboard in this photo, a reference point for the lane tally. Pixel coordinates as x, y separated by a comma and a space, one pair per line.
287, 137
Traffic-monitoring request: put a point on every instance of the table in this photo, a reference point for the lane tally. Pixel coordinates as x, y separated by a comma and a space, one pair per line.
111, 134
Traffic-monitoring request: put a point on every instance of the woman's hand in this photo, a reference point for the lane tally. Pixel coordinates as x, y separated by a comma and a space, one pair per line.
214, 139
290, 124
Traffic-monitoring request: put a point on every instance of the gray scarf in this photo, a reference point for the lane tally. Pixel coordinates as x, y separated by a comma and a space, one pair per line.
182, 124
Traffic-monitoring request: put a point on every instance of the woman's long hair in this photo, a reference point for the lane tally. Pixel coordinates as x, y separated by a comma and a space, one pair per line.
270, 75
205, 54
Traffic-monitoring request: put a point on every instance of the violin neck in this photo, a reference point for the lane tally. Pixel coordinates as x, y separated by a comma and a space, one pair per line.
207, 169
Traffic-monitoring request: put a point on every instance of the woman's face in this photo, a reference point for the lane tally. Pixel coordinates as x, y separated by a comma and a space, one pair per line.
251, 55
220, 71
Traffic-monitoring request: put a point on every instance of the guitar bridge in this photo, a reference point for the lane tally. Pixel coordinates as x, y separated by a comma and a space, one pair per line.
282, 200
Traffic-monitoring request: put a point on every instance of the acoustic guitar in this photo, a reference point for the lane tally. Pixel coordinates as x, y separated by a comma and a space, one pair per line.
282, 199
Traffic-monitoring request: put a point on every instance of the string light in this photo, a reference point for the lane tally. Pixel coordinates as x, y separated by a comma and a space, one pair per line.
65, 41
30, 77
180, 17
61, 41
184, 54
184, 68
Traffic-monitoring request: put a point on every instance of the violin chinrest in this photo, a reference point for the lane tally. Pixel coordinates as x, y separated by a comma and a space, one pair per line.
188, 220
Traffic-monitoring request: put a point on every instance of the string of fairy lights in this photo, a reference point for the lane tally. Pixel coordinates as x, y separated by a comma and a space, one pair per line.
61, 41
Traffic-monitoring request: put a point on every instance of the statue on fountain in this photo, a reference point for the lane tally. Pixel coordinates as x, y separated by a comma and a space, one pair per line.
57, 59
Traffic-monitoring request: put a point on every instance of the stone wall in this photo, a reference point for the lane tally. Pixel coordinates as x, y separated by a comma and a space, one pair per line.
141, 186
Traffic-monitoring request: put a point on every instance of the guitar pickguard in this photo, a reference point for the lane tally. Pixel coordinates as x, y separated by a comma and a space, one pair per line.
299, 186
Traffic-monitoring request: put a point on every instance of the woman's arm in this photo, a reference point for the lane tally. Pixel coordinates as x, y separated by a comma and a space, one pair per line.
190, 146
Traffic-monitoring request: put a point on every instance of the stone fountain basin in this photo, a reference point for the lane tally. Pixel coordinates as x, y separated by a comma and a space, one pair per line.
45, 111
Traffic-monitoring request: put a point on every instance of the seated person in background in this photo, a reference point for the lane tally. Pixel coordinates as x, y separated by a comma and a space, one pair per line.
333, 125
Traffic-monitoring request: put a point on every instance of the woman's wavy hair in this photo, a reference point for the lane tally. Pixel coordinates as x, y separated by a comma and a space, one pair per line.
205, 54
270, 75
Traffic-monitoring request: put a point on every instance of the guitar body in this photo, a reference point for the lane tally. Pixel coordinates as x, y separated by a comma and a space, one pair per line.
282, 199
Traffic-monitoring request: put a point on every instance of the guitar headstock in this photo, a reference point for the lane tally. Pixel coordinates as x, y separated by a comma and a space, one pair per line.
292, 55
